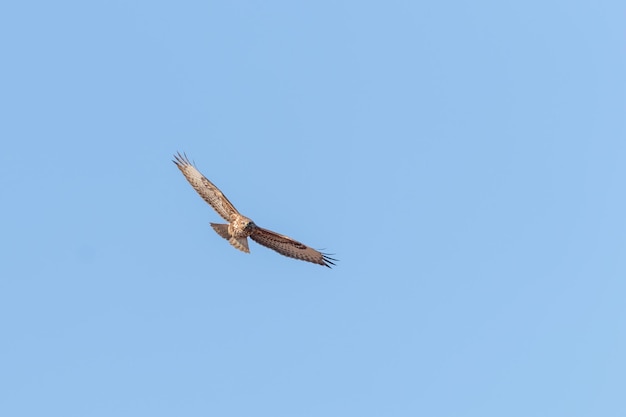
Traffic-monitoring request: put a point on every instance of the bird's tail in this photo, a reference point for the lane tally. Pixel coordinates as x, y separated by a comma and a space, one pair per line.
222, 230
240, 243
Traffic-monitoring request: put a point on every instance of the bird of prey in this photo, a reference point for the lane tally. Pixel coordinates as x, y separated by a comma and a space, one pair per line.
239, 227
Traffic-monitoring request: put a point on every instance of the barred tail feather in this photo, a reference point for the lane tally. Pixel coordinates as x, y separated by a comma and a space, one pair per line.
240, 243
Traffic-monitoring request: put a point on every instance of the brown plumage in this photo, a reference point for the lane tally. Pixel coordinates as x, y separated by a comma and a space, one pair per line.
240, 227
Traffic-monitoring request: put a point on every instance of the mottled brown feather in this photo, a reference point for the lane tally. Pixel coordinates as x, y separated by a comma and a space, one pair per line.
290, 247
207, 190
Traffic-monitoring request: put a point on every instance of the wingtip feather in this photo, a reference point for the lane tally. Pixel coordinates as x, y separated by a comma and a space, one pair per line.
327, 261
181, 159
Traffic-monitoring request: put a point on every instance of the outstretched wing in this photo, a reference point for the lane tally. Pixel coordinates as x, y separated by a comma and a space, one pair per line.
207, 190
289, 247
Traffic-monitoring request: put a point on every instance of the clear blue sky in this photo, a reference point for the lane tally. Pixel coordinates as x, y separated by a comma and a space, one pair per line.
465, 161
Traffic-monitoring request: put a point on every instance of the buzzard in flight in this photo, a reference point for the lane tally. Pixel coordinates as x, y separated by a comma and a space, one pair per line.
240, 227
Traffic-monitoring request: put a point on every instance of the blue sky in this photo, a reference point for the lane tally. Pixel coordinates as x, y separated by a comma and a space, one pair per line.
463, 160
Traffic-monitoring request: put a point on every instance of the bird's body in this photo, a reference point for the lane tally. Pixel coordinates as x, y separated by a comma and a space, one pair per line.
240, 227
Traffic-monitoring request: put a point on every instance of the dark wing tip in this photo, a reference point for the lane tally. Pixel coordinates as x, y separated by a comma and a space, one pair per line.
181, 160
327, 260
